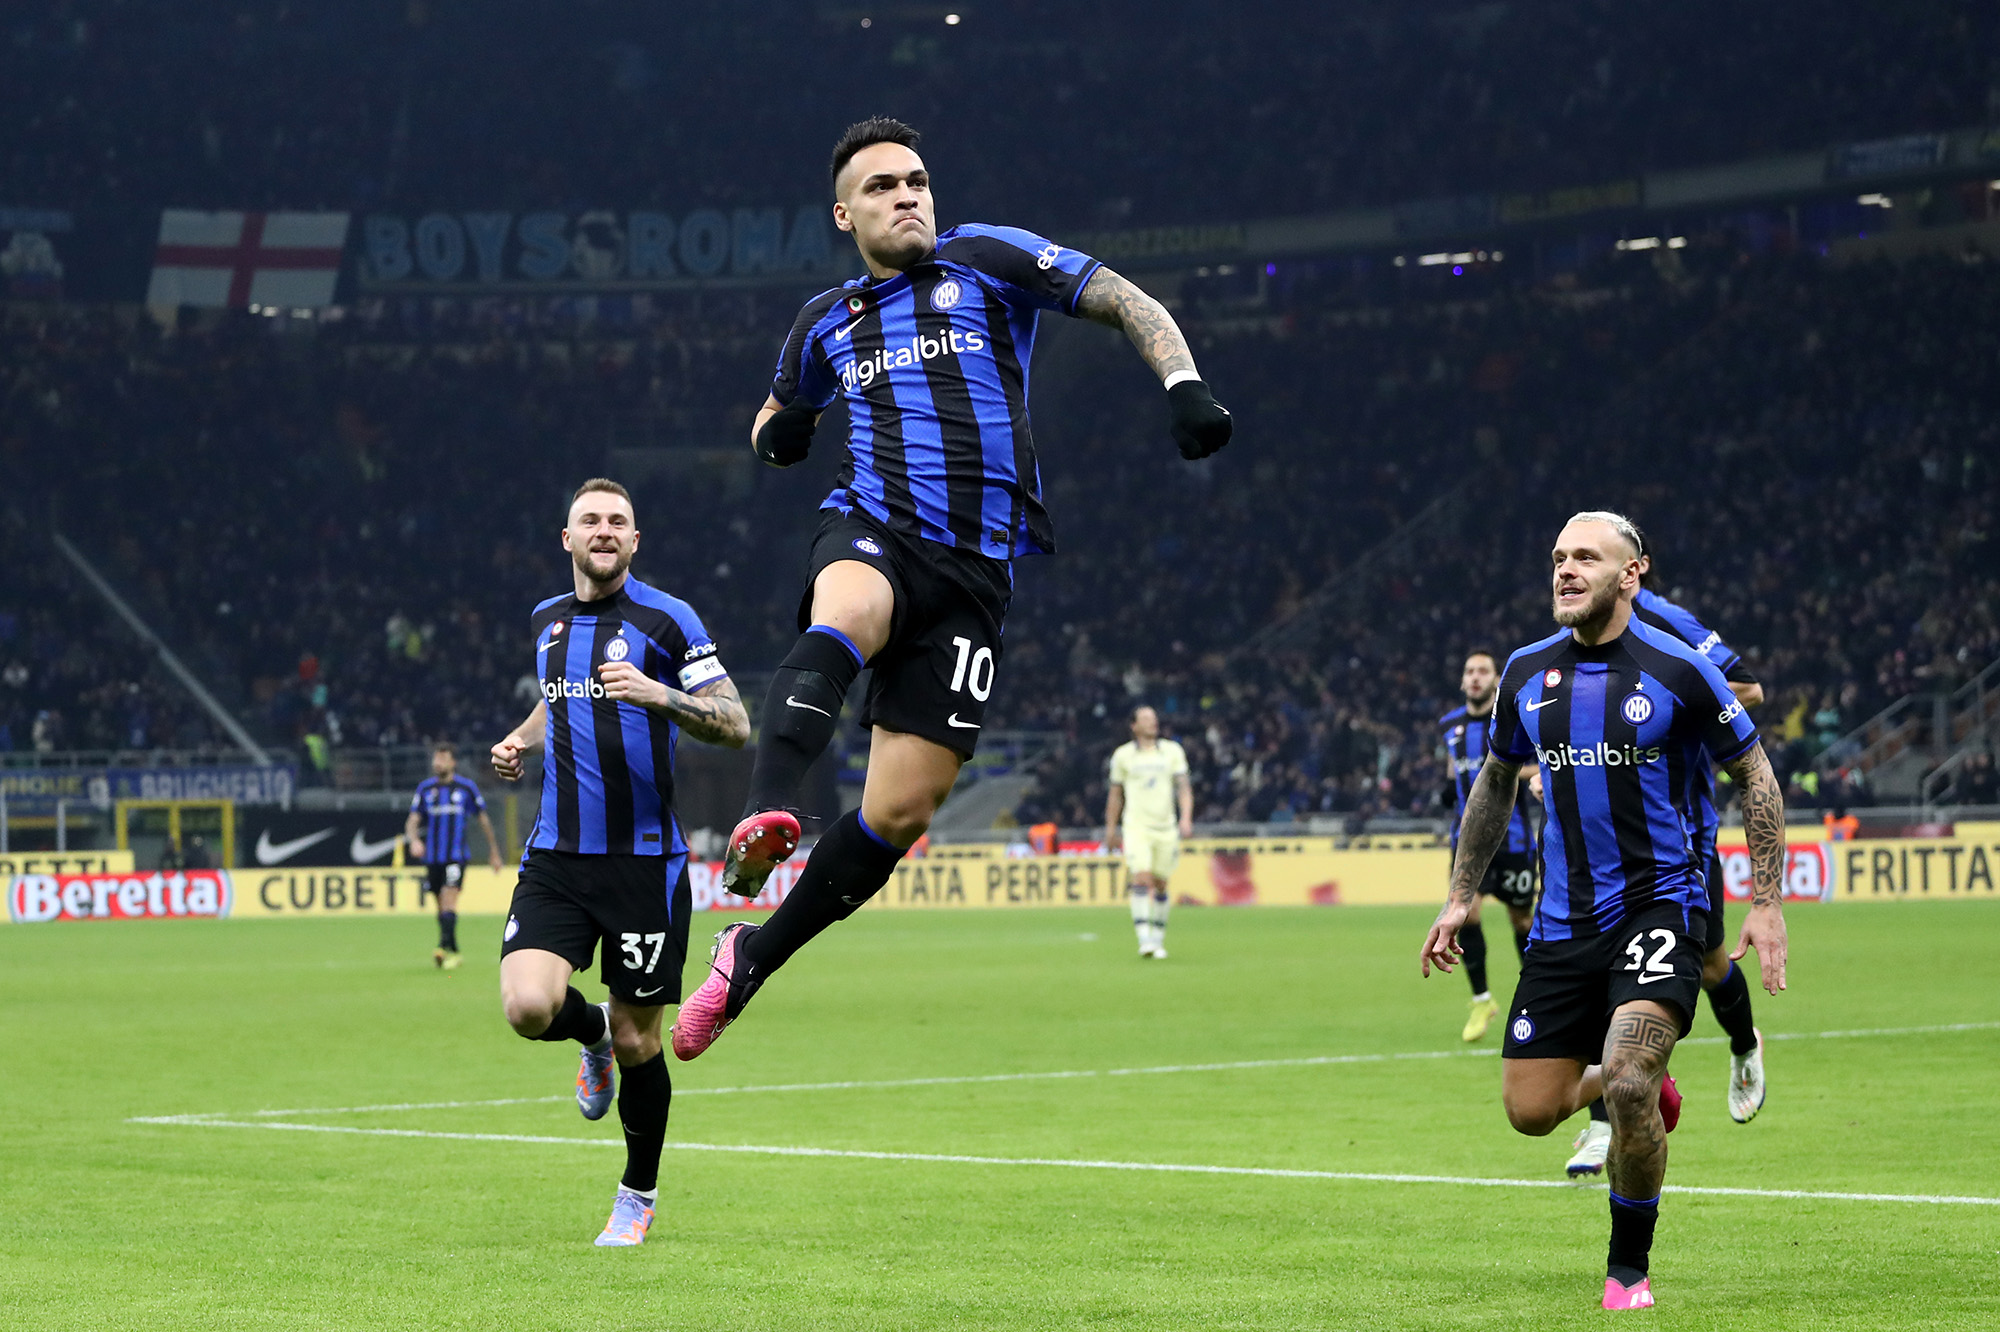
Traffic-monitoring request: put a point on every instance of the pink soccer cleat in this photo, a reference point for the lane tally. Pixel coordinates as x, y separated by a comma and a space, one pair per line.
759, 845
1670, 1113
1628, 1297
730, 983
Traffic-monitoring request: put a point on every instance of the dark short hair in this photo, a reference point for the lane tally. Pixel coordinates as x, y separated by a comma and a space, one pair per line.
1487, 653
866, 134
602, 484
445, 747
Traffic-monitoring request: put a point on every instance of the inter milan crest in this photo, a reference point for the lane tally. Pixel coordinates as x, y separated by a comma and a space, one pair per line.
616, 649
1638, 709
946, 294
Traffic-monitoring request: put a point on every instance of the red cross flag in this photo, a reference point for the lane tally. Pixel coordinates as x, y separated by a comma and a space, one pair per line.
288, 260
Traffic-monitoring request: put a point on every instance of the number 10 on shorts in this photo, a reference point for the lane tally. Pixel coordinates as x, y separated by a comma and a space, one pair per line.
634, 947
974, 669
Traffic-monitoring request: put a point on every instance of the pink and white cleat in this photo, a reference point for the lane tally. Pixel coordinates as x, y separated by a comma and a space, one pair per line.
1670, 1113
1617, 1296
731, 980
759, 845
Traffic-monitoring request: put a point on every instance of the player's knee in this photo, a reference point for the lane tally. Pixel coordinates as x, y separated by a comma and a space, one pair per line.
528, 1013
903, 819
633, 1045
1535, 1118
1630, 1091
1714, 968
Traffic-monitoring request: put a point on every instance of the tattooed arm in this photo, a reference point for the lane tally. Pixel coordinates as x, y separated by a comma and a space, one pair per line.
1763, 806
1488, 808
713, 714
1111, 300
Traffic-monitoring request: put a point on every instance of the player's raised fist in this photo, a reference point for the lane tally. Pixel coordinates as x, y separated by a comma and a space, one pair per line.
787, 437
507, 764
628, 684
1201, 425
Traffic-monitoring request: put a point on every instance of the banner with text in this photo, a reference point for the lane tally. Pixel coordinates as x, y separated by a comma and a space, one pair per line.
594, 250
36, 791
1931, 868
34, 899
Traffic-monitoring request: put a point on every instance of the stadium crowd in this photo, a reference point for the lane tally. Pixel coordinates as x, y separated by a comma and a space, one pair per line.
1174, 113
355, 519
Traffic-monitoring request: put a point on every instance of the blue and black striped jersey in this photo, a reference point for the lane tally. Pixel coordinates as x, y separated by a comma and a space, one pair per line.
933, 364
1621, 730
445, 804
1465, 744
1662, 614
607, 766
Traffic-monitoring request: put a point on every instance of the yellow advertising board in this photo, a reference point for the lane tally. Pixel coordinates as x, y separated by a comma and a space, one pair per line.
64, 862
365, 892
1919, 869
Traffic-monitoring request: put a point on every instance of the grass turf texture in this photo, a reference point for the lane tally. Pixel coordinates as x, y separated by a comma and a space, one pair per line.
107, 1224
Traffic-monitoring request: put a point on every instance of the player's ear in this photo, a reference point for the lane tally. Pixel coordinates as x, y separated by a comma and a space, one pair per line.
840, 216
565, 538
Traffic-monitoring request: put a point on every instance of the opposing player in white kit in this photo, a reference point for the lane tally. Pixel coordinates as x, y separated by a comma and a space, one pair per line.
1148, 809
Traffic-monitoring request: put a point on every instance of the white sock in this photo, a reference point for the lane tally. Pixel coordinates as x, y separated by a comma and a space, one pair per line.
1142, 917
1483, 997
1160, 905
603, 1045
650, 1195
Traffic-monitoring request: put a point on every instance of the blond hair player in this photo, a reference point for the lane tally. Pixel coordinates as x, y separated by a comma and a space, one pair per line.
1148, 809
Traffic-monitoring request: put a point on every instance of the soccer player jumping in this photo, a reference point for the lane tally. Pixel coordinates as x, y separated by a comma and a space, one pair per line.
606, 860
911, 572
1617, 714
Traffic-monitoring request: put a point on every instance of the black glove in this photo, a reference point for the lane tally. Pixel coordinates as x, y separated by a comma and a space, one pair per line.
787, 437
1201, 425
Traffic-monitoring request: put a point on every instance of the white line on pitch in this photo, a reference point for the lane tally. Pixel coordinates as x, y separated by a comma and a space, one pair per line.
1305, 1061
1145, 1167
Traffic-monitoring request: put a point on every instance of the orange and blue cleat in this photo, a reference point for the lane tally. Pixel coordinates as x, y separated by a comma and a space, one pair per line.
631, 1217
595, 1080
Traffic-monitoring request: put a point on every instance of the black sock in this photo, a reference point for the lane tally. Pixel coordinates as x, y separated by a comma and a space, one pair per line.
580, 1020
645, 1091
1731, 1001
1521, 945
1632, 1224
848, 866
1599, 1112
1473, 940
448, 931
801, 710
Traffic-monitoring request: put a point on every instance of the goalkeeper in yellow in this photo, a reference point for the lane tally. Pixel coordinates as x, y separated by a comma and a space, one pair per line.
1148, 808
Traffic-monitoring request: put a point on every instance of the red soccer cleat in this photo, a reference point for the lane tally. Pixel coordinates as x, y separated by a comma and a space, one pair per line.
759, 845
714, 1005
1617, 1296
1670, 1113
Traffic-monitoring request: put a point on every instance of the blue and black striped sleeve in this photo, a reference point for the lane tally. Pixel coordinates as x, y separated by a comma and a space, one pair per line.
1041, 272
1506, 737
802, 370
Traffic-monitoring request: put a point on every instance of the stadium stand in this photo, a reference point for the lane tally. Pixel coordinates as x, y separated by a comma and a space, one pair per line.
353, 518
1293, 108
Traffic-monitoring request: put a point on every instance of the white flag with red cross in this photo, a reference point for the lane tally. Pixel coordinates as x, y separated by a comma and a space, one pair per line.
285, 260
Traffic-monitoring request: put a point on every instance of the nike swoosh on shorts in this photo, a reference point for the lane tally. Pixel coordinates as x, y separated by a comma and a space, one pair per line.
961, 725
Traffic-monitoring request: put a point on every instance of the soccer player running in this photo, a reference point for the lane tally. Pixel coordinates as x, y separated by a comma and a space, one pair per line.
1511, 876
435, 834
1728, 989
1616, 713
911, 571
1148, 808
625, 669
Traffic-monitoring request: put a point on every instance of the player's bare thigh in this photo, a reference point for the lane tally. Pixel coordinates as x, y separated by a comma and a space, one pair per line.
908, 779
635, 1031
533, 985
856, 599
1541, 1093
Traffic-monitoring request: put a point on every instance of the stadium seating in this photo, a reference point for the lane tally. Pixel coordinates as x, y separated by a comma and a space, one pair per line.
1170, 112
354, 521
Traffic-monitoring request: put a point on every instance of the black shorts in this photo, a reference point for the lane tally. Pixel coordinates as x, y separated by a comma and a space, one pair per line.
1570, 987
1510, 879
934, 675
1718, 932
449, 874
639, 905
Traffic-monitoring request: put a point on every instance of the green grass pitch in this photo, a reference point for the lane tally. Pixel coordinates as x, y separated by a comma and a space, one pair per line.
108, 1223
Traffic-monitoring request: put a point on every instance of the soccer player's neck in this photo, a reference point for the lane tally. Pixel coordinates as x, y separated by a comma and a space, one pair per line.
589, 589
1598, 632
